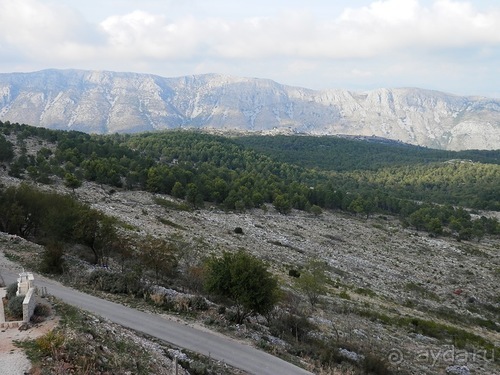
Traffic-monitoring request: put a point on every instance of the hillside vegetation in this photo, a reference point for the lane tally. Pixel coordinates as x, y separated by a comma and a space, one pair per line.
340, 268
466, 178
360, 153
202, 168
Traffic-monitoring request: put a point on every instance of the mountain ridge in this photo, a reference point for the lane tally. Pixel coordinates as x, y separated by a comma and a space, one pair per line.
109, 102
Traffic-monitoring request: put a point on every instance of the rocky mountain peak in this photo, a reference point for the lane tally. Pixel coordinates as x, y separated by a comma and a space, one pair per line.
108, 102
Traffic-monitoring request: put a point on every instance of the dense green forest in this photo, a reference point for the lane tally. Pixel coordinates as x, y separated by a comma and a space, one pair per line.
468, 178
346, 154
423, 190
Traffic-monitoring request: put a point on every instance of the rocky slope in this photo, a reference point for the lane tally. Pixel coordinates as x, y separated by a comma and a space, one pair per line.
380, 273
108, 102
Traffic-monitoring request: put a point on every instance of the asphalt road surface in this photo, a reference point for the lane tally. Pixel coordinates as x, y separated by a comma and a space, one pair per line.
218, 347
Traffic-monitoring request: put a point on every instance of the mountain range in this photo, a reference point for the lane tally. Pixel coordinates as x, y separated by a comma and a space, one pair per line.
108, 102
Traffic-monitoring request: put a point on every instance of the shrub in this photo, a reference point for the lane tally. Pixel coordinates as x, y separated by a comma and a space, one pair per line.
42, 309
238, 230
344, 295
293, 273
366, 292
243, 279
52, 259
221, 310
15, 307
291, 327
11, 290
232, 316
198, 368
375, 365
330, 356
198, 303
316, 210
157, 298
49, 343
313, 281
182, 303
117, 283
194, 278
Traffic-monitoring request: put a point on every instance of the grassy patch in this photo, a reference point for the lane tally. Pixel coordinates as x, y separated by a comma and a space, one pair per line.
421, 291
171, 205
366, 292
453, 316
170, 223
126, 226
344, 295
460, 338
281, 244
474, 251
12, 257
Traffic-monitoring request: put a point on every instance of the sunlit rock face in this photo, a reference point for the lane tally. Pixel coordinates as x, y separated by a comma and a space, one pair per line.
109, 102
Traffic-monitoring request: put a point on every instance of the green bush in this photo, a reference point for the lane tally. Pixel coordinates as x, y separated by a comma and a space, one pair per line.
42, 309
198, 368
52, 259
329, 356
244, 280
11, 290
108, 281
15, 307
293, 273
198, 303
49, 343
375, 365
291, 327
117, 283
344, 295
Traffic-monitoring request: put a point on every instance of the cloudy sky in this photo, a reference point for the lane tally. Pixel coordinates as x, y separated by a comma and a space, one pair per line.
447, 45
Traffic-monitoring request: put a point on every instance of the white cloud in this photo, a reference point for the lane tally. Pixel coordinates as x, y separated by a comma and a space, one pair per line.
383, 13
358, 73
380, 28
387, 26
39, 32
292, 41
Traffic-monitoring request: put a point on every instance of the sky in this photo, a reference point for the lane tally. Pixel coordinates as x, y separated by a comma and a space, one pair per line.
446, 45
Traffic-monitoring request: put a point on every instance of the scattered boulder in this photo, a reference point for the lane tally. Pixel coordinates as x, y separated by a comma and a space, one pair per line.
353, 356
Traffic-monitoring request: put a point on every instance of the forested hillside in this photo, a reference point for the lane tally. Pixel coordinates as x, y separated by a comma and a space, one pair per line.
468, 178
347, 154
398, 250
311, 174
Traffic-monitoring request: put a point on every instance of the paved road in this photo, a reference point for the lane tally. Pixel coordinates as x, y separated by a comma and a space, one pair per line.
218, 347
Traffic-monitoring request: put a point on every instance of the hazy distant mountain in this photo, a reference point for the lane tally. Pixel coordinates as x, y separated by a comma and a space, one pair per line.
108, 102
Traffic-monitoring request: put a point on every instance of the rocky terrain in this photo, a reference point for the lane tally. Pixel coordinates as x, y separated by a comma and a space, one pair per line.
109, 102
72, 341
375, 265
380, 273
